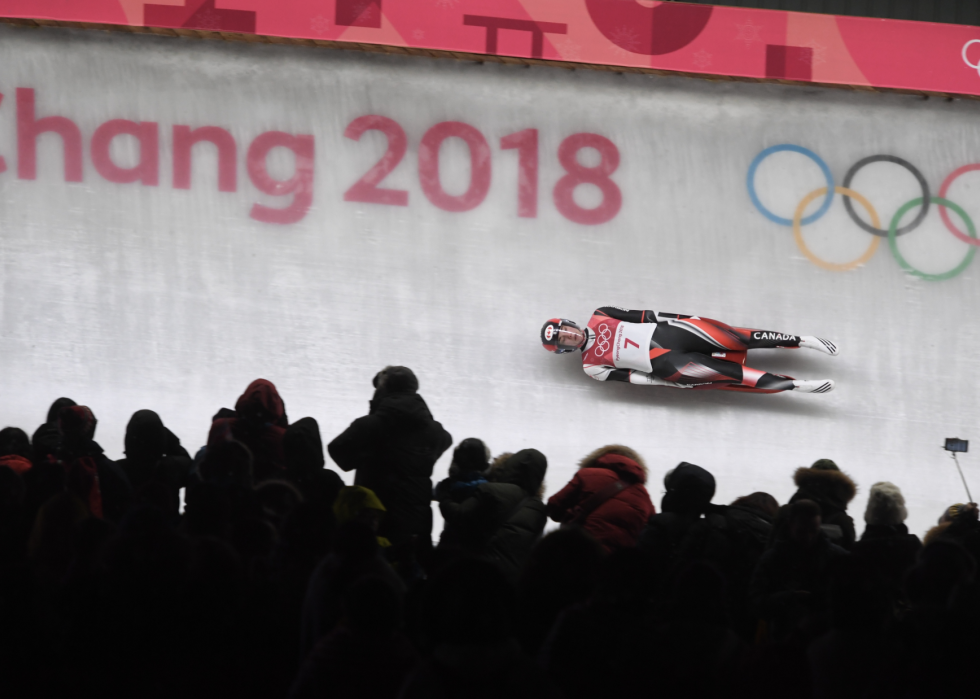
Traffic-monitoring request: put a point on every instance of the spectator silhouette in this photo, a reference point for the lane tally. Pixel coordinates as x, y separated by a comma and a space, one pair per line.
91, 476
699, 652
303, 453
561, 571
606, 647
15, 450
689, 489
467, 471
356, 555
606, 497
886, 543
13, 530
392, 450
468, 610
366, 655
155, 460
358, 504
825, 484
789, 587
504, 517
849, 660
259, 422
51, 544
47, 439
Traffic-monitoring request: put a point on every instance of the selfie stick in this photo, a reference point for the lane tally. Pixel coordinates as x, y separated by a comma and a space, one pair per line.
970, 497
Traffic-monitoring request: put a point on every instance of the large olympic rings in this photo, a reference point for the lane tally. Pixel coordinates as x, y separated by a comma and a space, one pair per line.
892, 232
874, 230
893, 243
798, 232
795, 149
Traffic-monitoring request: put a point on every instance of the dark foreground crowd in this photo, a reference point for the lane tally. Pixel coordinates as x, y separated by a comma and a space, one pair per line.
276, 580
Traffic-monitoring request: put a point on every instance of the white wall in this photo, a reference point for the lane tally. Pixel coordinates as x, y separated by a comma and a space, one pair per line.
125, 296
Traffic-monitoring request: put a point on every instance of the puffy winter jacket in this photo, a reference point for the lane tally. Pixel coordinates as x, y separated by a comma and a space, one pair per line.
617, 522
832, 490
502, 520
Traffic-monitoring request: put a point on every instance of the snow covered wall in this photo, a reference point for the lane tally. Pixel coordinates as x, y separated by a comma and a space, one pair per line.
178, 218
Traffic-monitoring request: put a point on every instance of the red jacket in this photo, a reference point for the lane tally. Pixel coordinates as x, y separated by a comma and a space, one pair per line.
618, 521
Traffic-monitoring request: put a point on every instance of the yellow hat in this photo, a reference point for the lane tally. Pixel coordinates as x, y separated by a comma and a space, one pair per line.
352, 499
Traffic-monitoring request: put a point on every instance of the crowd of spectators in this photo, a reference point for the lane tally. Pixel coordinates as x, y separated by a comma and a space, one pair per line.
250, 570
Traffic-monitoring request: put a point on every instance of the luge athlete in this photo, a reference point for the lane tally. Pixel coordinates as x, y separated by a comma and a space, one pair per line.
667, 349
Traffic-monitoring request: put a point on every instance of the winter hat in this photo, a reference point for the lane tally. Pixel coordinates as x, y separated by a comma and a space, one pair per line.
824, 465
352, 500
689, 489
396, 379
886, 505
471, 455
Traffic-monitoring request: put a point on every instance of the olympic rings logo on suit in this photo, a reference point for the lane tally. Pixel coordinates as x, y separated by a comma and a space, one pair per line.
892, 232
602, 341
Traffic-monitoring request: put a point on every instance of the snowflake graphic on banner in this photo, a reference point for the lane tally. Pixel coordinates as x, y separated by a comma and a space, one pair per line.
749, 33
208, 20
320, 24
626, 41
447, 4
817, 56
702, 59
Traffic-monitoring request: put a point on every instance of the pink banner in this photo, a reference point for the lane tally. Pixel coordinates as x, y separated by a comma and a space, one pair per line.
671, 36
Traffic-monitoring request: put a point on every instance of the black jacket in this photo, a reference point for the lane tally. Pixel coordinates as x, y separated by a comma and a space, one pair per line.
891, 549
832, 491
502, 520
392, 451
790, 583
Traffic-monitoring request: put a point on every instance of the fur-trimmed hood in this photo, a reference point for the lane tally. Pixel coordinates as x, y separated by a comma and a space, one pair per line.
936, 532
825, 486
615, 457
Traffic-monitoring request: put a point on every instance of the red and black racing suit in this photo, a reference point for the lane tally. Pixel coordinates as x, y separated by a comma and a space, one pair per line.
644, 347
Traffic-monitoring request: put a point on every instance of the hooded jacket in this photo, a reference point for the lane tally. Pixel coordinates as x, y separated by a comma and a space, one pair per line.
832, 490
392, 451
153, 453
94, 478
617, 522
504, 518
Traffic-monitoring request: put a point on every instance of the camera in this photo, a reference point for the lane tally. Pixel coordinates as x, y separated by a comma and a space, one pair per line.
956, 444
